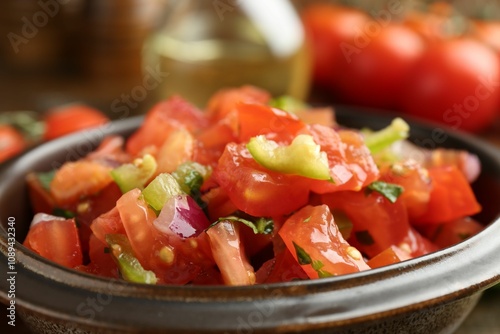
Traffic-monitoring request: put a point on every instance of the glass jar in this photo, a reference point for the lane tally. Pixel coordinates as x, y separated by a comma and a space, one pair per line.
206, 45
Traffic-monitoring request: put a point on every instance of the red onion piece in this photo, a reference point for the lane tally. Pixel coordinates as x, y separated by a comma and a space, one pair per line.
182, 216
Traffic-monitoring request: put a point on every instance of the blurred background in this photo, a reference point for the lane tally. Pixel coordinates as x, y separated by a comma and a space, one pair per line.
439, 60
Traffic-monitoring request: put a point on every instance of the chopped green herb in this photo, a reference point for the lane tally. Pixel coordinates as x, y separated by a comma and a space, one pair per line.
317, 265
343, 223
364, 238
46, 178
190, 176
260, 226
388, 190
302, 255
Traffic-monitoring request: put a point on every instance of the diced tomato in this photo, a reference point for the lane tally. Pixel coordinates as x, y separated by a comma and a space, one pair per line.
451, 233
11, 142
451, 197
110, 151
389, 256
92, 207
40, 198
377, 223
164, 117
71, 118
137, 219
218, 204
75, 180
416, 244
255, 190
221, 132
313, 238
351, 164
225, 101
229, 254
416, 183
101, 262
107, 223
57, 240
282, 268
177, 148
174, 260
275, 124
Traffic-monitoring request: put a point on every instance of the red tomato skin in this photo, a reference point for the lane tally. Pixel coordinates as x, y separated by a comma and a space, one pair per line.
373, 71
282, 268
327, 26
455, 84
314, 230
416, 183
385, 222
56, 240
351, 163
11, 142
451, 197
275, 124
451, 233
164, 117
225, 101
101, 262
256, 190
72, 118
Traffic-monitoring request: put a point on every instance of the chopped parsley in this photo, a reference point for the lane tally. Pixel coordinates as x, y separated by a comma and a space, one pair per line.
388, 190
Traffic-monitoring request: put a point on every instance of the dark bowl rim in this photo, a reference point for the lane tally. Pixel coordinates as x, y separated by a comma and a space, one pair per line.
394, 277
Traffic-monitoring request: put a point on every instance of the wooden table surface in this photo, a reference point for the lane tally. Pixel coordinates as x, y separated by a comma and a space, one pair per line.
38, 93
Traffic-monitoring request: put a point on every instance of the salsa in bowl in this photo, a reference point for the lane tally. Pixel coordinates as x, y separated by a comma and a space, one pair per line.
286, 299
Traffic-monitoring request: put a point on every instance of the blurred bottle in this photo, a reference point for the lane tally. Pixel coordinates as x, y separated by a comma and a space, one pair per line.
206, 45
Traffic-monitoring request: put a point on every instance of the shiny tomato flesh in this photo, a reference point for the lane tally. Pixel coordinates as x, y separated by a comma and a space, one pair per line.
377, 223
164, 117
75, 180
389, 256
313, 238
56, 240
256, 190
229, 254
451, 197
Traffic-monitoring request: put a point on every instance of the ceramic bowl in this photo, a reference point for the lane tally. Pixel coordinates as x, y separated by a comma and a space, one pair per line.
429, 294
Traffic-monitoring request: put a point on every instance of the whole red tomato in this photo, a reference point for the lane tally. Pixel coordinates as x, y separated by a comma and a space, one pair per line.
11, 142
456, 83
327, 26
71, 118
375, 64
